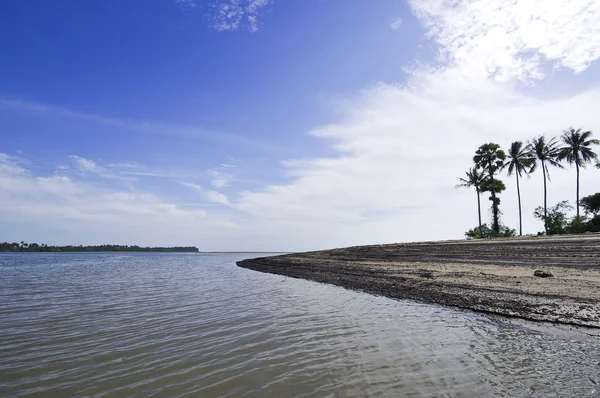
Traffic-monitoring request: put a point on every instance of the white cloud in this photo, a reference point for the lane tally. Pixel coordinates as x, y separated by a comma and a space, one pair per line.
235, 14
60, 202
217, 197
210, 195
192, 186
396, 24
11, 165
219, 178
87, 165
399, 153
512, 38
61, 195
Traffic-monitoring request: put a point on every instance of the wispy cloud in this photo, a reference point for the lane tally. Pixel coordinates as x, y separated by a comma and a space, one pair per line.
12, 164
512, 39
396, 24
187, 4
128, 165
219, 178
209, 195
146, 127
59, 196
235, 14
87, 165
149, 174
83, 165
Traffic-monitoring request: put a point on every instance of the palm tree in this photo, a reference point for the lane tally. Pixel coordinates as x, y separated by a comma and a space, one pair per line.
520, 160
577, 150
546, 153
490, 158
476, 180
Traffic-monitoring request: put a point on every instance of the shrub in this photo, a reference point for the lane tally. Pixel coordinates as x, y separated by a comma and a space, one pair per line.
487, 232
556, 219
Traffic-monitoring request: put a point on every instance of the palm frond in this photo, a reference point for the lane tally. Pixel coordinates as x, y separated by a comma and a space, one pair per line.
577, 147
473, 179
554, 163
520, 158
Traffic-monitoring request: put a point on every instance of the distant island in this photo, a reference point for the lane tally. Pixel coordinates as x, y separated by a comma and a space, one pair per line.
34, 247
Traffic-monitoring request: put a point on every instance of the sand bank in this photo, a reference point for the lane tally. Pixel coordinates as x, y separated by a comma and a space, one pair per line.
493, 276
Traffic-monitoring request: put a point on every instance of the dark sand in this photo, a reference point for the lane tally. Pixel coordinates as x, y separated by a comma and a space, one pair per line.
492, 276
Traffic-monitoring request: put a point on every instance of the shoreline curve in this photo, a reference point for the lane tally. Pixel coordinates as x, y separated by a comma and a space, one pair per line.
490, 276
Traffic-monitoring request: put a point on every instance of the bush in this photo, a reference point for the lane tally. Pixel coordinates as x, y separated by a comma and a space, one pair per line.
556, 220
591, 204
578, 225
487, 232
593, 225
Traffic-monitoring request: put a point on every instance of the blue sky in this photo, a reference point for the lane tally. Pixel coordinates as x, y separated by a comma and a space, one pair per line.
276, 125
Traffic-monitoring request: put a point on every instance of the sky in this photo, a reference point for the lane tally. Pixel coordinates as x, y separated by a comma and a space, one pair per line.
281, 125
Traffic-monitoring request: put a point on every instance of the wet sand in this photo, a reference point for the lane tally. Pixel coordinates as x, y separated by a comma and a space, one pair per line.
492, 276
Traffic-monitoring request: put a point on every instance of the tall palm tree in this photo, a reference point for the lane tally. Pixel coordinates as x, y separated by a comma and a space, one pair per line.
547, 154
520, 160
490, 158
577, 150
476, 180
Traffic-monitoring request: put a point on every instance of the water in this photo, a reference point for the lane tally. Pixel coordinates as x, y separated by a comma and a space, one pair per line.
174, 325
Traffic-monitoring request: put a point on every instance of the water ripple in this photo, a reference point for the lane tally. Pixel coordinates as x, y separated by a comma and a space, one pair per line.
196, 325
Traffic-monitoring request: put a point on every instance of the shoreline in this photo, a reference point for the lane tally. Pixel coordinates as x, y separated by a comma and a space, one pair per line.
488, 276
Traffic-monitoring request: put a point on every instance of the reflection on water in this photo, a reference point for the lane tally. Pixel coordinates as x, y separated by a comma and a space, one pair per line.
170, 325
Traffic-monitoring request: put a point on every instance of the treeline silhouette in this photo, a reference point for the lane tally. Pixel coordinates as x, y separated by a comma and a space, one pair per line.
34, 247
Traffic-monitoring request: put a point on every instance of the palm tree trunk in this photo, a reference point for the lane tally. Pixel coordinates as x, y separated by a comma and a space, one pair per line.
479, 213
577, 168
545, 204
496, 225
519, 197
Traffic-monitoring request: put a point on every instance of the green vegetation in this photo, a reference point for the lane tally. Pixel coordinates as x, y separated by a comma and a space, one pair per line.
591, 204
520, 160
555, 219
484, 231
577, 151
474, 179
490, 158
546, 153
34, 247
524, 159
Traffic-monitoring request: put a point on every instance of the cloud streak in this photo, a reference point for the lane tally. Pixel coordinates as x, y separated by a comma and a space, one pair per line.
145, 127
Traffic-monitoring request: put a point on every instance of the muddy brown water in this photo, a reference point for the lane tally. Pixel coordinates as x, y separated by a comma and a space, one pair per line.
175, 325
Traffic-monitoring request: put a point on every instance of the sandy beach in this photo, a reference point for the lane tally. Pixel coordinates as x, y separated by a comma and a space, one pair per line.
492, 276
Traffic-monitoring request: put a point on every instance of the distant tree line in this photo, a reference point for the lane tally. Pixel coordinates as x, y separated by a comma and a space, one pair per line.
34, 247
574, 148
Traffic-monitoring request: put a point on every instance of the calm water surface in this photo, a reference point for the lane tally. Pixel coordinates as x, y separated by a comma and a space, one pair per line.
174, 325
